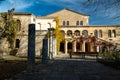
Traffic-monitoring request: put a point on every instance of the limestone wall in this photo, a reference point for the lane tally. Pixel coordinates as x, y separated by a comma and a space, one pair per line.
71, 16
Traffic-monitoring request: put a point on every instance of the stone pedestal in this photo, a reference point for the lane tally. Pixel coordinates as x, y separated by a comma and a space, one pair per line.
45, 51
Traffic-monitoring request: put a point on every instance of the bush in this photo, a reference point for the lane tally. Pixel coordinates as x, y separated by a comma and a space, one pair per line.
13, 52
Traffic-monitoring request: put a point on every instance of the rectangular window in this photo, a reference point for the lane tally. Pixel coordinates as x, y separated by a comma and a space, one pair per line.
77, 23
63, 23
67, 22
81, 22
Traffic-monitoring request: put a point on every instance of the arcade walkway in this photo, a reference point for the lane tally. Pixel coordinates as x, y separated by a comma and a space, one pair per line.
70, 69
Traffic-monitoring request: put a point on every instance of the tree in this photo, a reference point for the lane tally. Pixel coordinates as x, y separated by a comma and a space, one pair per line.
9, 27
58, 35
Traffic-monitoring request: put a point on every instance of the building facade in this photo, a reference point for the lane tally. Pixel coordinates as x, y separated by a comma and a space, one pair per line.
82, 37
79, 35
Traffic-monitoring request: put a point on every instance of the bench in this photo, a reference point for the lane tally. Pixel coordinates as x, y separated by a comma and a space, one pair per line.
83, 54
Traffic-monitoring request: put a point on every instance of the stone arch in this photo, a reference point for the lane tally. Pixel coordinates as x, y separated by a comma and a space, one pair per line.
109, 33
63, 32
100, 33
18, 24
114, 33
77, 33
69, 32
17, 44
95, 33
85, 32
38, 27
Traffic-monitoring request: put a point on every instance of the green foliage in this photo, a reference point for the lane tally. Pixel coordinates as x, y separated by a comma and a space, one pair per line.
111, 55
10, 28
59, 37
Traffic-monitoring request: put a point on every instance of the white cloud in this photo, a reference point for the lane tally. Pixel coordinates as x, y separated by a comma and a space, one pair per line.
17, 4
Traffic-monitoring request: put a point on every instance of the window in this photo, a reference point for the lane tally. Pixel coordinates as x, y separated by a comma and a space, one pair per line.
63, 32
67, 22
100, 33
17, 45
63, 23
77, 33
85, 32
81, 22
18, 24
77, 23
96, 33
69, 32
114, 33
109, 33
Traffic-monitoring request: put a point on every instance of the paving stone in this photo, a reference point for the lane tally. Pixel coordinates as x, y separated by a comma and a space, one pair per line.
79, 69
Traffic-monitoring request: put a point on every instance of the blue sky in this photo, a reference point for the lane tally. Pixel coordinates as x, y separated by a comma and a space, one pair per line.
44, 7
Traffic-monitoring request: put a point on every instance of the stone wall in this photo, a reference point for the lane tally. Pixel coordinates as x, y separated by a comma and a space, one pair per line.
71, 16
22, 51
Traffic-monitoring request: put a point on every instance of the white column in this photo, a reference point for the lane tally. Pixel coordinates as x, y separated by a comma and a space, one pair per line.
66, 46
83, 46
50, 43
54, 47
97, 48
74, 46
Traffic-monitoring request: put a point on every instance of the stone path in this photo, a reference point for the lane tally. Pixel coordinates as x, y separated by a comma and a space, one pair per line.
69, 69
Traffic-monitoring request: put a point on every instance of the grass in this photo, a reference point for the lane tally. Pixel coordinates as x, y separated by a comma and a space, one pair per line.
11, 65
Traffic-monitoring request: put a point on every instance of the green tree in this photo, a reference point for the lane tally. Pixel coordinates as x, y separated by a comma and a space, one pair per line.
9, 27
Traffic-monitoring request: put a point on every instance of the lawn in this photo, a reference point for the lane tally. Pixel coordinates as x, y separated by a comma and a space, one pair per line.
10, 66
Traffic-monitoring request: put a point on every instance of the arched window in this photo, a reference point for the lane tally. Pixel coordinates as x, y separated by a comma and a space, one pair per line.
109, 33
63, 23
18, 25
100, 33
81, 22
96, 33
85, 32
63, 32
17, 45
114, 33
77, 33
67, 22
77, 23
69, 32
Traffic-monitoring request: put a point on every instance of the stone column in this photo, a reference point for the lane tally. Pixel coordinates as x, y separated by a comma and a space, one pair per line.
66, 42
83, 46
74, 46
54, 47
51, 42
97, 48
31, 44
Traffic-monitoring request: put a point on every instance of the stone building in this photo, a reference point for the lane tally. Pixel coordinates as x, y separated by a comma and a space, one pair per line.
41, 25
79, 35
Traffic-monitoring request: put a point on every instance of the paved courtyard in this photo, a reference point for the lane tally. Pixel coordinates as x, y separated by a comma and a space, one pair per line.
69, 69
